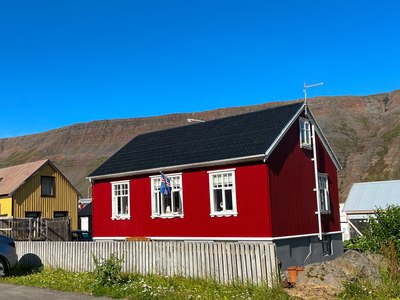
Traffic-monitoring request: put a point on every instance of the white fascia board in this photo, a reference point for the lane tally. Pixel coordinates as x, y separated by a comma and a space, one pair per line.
324, 140
283, 132
318, 130
182, 167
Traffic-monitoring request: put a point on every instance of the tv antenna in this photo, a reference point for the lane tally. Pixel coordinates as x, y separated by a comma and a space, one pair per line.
309, 86
194, 120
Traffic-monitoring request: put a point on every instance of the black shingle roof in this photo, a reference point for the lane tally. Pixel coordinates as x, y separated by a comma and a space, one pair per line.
227, 138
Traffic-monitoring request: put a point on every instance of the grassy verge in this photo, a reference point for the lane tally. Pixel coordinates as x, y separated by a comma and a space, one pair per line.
135, 286
362, 289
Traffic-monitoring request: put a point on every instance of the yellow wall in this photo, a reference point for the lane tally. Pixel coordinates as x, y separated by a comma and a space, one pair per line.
28, 197
6, 207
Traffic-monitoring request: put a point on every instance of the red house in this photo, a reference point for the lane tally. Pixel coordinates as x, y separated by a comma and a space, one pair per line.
268, 175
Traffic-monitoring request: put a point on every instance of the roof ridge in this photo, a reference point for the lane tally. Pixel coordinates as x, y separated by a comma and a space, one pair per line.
198, 124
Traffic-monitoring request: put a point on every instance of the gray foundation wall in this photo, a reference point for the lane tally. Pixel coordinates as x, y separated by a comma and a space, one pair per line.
306, 250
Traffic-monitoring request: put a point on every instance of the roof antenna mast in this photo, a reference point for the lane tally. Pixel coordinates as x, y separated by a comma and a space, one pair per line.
309, 86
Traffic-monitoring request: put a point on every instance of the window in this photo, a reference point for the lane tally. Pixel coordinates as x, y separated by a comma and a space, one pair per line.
222, 193
32, 214
48, 186
326, 245
120, 200
305, 133
323, 193
60, 214
167, 205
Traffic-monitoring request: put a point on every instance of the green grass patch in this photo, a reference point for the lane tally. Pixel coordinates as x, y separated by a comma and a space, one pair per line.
362, 289
135, 286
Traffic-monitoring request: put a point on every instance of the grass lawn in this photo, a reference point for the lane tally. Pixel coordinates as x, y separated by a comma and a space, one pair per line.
135, 286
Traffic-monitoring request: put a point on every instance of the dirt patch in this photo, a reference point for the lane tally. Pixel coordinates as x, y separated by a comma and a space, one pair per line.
325, 280
313, 292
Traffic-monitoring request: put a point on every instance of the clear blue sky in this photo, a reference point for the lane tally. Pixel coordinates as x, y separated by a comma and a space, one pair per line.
64, 62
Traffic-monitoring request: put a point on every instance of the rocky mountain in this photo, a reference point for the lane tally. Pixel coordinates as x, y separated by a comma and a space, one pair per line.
363, 131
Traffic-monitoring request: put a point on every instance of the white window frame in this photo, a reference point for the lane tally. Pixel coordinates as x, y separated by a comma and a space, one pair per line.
119, 186
158, 209
225, 185
305, 133
323, 189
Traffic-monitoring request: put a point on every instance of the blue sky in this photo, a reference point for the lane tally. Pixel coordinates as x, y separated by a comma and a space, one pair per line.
66, 62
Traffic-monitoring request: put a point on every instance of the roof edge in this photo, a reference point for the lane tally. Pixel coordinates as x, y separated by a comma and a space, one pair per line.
181, 167
324, 140
284, 131
45, 161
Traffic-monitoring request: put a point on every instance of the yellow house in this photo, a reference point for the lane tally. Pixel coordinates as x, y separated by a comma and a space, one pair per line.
37, 190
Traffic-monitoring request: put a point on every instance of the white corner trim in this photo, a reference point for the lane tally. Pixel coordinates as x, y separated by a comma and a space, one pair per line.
283, 132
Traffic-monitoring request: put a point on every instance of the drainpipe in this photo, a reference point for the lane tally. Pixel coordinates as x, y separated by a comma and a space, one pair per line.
314, 159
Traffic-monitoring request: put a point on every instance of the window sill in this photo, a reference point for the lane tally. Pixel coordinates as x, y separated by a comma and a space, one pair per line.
324, 212
224, 214
167, 216
306, 146
120, 218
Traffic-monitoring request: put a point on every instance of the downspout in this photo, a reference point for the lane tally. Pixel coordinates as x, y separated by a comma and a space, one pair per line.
314, 159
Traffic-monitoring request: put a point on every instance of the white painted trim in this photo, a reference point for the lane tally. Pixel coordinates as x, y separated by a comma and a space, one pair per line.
114, 215
120, 181
283, 132
170, 215
168, 175
241, 238
109, 238
316, 174
182, 167
225, 213
222, 171
167, 216
307, 146
182, 238
324, 140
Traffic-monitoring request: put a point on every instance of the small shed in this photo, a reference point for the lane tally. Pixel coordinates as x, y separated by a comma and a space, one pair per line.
365, 198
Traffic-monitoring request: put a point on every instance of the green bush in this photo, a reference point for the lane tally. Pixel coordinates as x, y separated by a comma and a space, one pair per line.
108, 271
381, 233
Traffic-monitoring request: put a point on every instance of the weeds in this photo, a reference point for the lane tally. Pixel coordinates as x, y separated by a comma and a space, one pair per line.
108, 272
136, 286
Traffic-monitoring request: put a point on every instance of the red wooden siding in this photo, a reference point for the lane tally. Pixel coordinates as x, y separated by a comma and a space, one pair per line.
252, 206
292, 183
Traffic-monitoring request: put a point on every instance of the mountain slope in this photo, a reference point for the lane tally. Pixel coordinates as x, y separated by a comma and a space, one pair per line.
363, 131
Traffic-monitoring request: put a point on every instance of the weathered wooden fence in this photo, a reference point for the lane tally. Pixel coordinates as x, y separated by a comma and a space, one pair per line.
30, 229
225, 262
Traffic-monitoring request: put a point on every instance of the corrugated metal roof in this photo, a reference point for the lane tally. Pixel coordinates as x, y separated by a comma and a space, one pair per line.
11, 178
368, 196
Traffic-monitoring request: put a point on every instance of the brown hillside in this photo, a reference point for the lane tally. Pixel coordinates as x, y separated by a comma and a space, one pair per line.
363, 131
